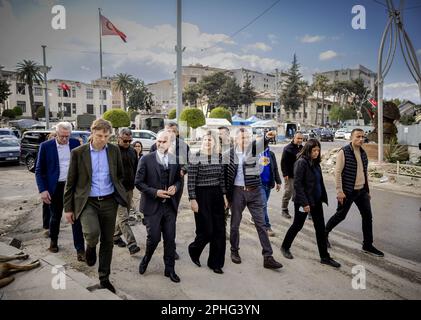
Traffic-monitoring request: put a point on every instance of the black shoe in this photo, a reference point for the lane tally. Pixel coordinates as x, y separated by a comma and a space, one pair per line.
372, 250
119, 242
195, 260
218, 271
90, 256
53, 247
327, 241
330, 262
81, 256
286, 253
144, 264
286, 214
134, 249
270, 263
176, 256
106, 284
235, 257
172, 275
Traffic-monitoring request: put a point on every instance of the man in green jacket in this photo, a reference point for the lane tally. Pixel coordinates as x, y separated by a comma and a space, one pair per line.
93, 192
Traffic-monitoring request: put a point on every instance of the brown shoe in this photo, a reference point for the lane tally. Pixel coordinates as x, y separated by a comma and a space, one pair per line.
81, 256
271, 263
53, 247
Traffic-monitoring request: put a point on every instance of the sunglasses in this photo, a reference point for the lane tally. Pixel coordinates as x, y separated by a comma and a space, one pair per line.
127, 141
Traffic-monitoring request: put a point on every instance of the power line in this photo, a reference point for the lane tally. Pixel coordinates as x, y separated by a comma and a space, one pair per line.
247, 25
86, 52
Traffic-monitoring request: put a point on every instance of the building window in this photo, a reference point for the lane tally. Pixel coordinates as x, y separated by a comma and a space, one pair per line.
193, 79
38, 91
287, 115
73, 108
22, 105
90, 108
104, 108
89, 93
67, 110
73, 92
299, 115
20, 88
103, 94
305, 115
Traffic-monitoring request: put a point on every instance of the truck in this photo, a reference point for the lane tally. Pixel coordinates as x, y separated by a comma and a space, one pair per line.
151, 123
84, 121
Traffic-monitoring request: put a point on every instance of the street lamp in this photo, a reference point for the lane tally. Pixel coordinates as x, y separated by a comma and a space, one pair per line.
44, 69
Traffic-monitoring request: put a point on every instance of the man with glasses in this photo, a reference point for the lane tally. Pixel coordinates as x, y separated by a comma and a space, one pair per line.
51, 175
130, 160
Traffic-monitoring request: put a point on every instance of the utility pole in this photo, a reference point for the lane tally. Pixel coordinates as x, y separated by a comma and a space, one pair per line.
179, 49
47, 109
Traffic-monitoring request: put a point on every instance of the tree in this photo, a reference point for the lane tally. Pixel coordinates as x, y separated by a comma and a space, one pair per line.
18, 111
304, 91
193, 117
118, 118
4, 90
210, 87
172, 114
248, 95
8, 113
139, 97
191, 94
221, 113
321, 85
230, 95
290, 96
338, 113
407, 120
29, 73
124, 83
40, 113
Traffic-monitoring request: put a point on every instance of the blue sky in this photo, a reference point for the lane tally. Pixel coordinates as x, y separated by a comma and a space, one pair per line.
311, 29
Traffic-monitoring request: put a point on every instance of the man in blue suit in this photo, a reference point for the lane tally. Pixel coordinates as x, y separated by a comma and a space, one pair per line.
51, 175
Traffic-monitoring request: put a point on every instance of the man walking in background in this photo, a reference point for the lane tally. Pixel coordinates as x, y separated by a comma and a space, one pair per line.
289, 156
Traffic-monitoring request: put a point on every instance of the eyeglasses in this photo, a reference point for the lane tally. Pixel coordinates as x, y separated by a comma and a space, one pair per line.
127, 141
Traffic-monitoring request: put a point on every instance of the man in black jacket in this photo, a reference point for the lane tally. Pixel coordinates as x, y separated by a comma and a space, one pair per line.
158, 178
129, 159
289, 156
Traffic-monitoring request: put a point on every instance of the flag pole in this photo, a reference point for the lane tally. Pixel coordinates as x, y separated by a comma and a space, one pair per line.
100, 61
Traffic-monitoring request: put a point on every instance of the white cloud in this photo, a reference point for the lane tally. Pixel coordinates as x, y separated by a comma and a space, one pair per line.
258, 46
273, 38
328, 55
402, 90
311, 39
85, 68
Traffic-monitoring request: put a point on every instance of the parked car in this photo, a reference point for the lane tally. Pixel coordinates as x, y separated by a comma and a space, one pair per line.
340, 134
10, 132
145, 137
308, 135
32, 139
326, 135
9, 149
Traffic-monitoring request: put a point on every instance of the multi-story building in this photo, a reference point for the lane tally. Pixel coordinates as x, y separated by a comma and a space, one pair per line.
369, 77
94, 98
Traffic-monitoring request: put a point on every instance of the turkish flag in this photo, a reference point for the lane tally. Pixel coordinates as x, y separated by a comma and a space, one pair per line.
108, 29
66, 89
373, 102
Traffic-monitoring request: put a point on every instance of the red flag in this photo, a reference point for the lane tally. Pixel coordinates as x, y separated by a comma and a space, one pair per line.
64, 86
373, 102
108, 29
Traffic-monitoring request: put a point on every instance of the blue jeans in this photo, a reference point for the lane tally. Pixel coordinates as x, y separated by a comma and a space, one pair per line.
265, 190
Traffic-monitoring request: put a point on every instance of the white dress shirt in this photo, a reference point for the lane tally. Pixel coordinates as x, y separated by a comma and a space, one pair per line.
63, 151
163, 158
239, 178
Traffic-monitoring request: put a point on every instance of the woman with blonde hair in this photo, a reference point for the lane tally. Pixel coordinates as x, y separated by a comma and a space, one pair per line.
206, 186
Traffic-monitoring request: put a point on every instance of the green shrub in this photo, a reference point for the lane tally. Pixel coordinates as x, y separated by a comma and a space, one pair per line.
172, 113
118, 118
221, 113
18, 111
194, 117
8, 113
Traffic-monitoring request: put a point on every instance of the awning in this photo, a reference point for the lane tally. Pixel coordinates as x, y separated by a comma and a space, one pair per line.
263, 104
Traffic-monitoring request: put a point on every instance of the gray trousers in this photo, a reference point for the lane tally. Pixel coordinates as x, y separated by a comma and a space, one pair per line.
288, 193
122, 226
254, 202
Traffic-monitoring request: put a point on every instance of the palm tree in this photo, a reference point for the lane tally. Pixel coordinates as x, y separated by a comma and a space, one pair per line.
29, 73
321, 84
304, 91
123, 84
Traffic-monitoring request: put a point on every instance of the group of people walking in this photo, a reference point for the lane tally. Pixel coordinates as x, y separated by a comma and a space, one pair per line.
94, 184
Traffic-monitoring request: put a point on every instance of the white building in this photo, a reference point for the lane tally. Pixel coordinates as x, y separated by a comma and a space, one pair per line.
82, 98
